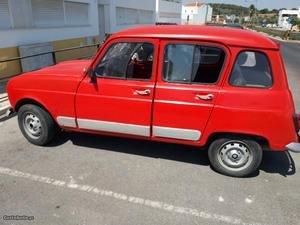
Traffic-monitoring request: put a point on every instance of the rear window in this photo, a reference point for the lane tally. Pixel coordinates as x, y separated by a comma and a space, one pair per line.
251, 69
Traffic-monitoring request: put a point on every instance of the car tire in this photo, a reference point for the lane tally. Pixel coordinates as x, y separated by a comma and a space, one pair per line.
234, 156
36, 124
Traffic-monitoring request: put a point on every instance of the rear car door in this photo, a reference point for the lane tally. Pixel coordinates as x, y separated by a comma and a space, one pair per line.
188, 83
121, 99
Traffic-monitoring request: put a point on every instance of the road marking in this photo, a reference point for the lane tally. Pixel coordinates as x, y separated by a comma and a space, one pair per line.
221, 199
248, 200
131, 199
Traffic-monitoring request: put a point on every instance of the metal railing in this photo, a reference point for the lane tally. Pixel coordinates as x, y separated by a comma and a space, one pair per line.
53, 53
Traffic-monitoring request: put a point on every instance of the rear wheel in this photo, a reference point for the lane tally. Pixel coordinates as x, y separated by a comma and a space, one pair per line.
237, 157
36, 124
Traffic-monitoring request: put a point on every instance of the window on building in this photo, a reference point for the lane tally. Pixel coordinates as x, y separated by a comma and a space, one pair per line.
4, 15
127, 60
76, 13
251, 69
170, 15
47, 13
21, 13
146, 16
188, 63
126, 16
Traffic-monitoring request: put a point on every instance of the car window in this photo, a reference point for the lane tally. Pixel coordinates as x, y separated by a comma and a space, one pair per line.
188, 63
127, 60
251, 69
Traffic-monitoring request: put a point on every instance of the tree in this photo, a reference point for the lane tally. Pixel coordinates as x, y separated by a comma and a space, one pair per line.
295, 22
252, 11
264, 11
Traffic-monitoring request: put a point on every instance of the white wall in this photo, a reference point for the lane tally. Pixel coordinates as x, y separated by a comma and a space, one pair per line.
26, 31
20, 36
197, 15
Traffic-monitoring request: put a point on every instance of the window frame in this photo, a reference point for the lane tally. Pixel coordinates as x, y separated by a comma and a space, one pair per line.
251, 87
122, 78
182, 42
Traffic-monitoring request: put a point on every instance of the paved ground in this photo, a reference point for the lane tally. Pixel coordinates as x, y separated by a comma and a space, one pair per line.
89, 179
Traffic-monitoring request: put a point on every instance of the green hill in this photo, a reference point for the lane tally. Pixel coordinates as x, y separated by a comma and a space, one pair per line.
229, 9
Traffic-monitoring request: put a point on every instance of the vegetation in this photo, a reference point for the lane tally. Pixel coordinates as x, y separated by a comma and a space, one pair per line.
252, 11
278, 33
295, 22
228, 9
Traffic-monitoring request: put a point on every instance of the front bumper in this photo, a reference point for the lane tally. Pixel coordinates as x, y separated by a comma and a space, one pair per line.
294, 147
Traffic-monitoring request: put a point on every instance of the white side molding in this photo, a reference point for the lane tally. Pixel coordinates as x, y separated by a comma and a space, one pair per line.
176, 133
113, 127
66, 121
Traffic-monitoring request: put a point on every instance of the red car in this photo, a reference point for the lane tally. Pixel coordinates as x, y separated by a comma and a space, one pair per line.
195, 85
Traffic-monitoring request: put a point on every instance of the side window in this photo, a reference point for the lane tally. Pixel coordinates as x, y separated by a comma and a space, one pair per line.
127, 60
251, 69
188, 63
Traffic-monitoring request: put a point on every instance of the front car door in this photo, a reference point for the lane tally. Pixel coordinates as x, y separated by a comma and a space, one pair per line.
121, 99
188, 83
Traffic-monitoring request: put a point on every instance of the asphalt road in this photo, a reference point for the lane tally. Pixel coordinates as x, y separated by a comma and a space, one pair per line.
90, 179
291, 57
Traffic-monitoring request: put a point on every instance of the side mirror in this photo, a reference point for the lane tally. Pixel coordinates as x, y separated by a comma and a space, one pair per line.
92, 75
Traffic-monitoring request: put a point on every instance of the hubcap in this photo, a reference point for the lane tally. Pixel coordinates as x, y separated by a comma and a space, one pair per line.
235, 155
32, 126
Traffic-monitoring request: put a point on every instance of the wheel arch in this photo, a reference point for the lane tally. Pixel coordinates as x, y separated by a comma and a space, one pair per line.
260, 139
31, 101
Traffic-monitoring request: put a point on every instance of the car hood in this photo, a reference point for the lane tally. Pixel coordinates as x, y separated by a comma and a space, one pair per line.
69, 68
61, 78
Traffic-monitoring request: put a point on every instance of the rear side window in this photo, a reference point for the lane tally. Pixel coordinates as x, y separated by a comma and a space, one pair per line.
188, 63
251, 69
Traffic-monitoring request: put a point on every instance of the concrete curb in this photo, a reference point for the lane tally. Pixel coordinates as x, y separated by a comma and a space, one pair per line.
4, 105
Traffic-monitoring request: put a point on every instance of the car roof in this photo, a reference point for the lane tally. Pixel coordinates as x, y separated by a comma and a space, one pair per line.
225, 35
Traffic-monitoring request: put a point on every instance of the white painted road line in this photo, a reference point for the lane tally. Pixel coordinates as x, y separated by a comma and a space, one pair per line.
131, 199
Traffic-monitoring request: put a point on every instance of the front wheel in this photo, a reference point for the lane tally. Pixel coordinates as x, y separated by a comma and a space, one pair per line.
36, 124
236, 157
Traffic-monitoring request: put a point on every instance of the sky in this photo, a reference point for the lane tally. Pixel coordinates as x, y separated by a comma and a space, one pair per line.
270, 4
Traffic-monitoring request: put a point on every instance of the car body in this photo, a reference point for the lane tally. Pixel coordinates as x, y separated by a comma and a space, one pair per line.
194, 85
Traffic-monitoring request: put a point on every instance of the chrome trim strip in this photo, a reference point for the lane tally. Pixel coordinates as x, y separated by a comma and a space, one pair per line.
66, 121
113, 127
176, 133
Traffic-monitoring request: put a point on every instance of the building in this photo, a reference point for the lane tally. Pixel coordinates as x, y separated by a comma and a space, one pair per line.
285, 16
57, 24
196, 13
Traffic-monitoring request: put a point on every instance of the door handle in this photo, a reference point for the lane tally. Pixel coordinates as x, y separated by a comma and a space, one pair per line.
208, 97
145, 92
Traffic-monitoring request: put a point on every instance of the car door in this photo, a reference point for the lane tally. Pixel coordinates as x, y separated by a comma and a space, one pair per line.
188, 83
121, 99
